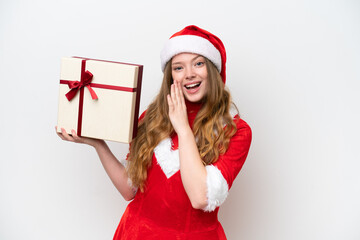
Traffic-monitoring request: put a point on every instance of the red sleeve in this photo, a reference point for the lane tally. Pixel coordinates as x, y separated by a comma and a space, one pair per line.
231, 162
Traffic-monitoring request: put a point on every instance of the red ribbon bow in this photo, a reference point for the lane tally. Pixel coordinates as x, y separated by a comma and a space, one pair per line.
75, 86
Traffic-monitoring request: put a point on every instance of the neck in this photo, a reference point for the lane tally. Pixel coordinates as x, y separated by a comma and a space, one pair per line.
192, 110
193, 106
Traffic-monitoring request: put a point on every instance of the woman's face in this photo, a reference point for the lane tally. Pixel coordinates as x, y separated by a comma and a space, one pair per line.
191, 72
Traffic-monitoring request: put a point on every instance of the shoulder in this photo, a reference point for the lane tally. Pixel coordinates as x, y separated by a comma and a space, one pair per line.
243, 129
241, 124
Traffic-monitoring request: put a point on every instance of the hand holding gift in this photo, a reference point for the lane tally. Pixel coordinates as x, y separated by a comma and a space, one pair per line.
75, 138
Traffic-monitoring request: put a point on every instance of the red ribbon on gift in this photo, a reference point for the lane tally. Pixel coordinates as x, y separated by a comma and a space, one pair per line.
75, 86
85, 80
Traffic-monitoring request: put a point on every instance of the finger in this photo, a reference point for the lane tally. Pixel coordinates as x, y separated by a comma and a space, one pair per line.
177, 93
170, 102
73, 133
172, 93
66, 135
56, 130
77, 138
60, 135
181, 95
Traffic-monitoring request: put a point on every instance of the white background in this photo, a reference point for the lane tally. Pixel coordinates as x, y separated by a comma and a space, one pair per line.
293, 70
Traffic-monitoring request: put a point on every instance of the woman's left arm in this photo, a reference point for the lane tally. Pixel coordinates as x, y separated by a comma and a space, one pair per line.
193, 172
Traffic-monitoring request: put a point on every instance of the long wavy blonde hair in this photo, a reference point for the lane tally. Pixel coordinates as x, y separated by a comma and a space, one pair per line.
213, 126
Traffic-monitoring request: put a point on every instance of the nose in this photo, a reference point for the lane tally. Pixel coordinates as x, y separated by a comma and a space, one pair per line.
190, 74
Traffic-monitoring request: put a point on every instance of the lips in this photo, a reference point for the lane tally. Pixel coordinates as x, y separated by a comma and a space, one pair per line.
192, 85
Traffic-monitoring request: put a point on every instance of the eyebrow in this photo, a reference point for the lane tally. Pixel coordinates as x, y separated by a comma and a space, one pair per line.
191, 60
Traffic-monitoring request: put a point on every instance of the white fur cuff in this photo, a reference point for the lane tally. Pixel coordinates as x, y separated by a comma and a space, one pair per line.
217, 188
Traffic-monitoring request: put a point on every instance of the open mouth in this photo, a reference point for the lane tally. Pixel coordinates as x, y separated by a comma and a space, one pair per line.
192, 85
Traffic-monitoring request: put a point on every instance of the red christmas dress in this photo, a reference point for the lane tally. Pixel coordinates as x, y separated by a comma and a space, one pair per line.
164, 212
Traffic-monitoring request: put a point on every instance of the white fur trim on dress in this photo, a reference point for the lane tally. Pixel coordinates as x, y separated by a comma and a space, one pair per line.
217, 188
190, 44
167, 158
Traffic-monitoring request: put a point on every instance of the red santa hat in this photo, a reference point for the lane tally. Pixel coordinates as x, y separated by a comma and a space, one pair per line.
193, 39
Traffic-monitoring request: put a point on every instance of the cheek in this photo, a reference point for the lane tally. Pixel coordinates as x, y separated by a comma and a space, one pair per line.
175, 77
204, 74
206, 85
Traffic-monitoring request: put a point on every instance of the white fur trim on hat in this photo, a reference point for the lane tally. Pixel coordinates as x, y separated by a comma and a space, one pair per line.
217, 188
190, 44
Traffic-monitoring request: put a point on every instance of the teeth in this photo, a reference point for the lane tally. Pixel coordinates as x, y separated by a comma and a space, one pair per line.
192, 85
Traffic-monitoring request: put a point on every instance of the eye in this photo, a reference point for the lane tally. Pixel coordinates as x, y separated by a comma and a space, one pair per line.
177, 68
198, 64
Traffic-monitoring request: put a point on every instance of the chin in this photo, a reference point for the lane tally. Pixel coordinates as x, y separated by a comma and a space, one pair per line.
194, 99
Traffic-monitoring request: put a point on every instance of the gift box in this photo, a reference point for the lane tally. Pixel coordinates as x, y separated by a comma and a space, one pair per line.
99, 99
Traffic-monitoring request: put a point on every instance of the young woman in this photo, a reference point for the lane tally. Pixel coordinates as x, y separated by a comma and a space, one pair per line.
188, 150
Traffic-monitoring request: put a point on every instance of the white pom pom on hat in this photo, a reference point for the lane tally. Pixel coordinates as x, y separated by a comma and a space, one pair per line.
193, 39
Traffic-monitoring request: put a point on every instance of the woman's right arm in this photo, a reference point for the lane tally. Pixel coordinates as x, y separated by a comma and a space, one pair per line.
114, 169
